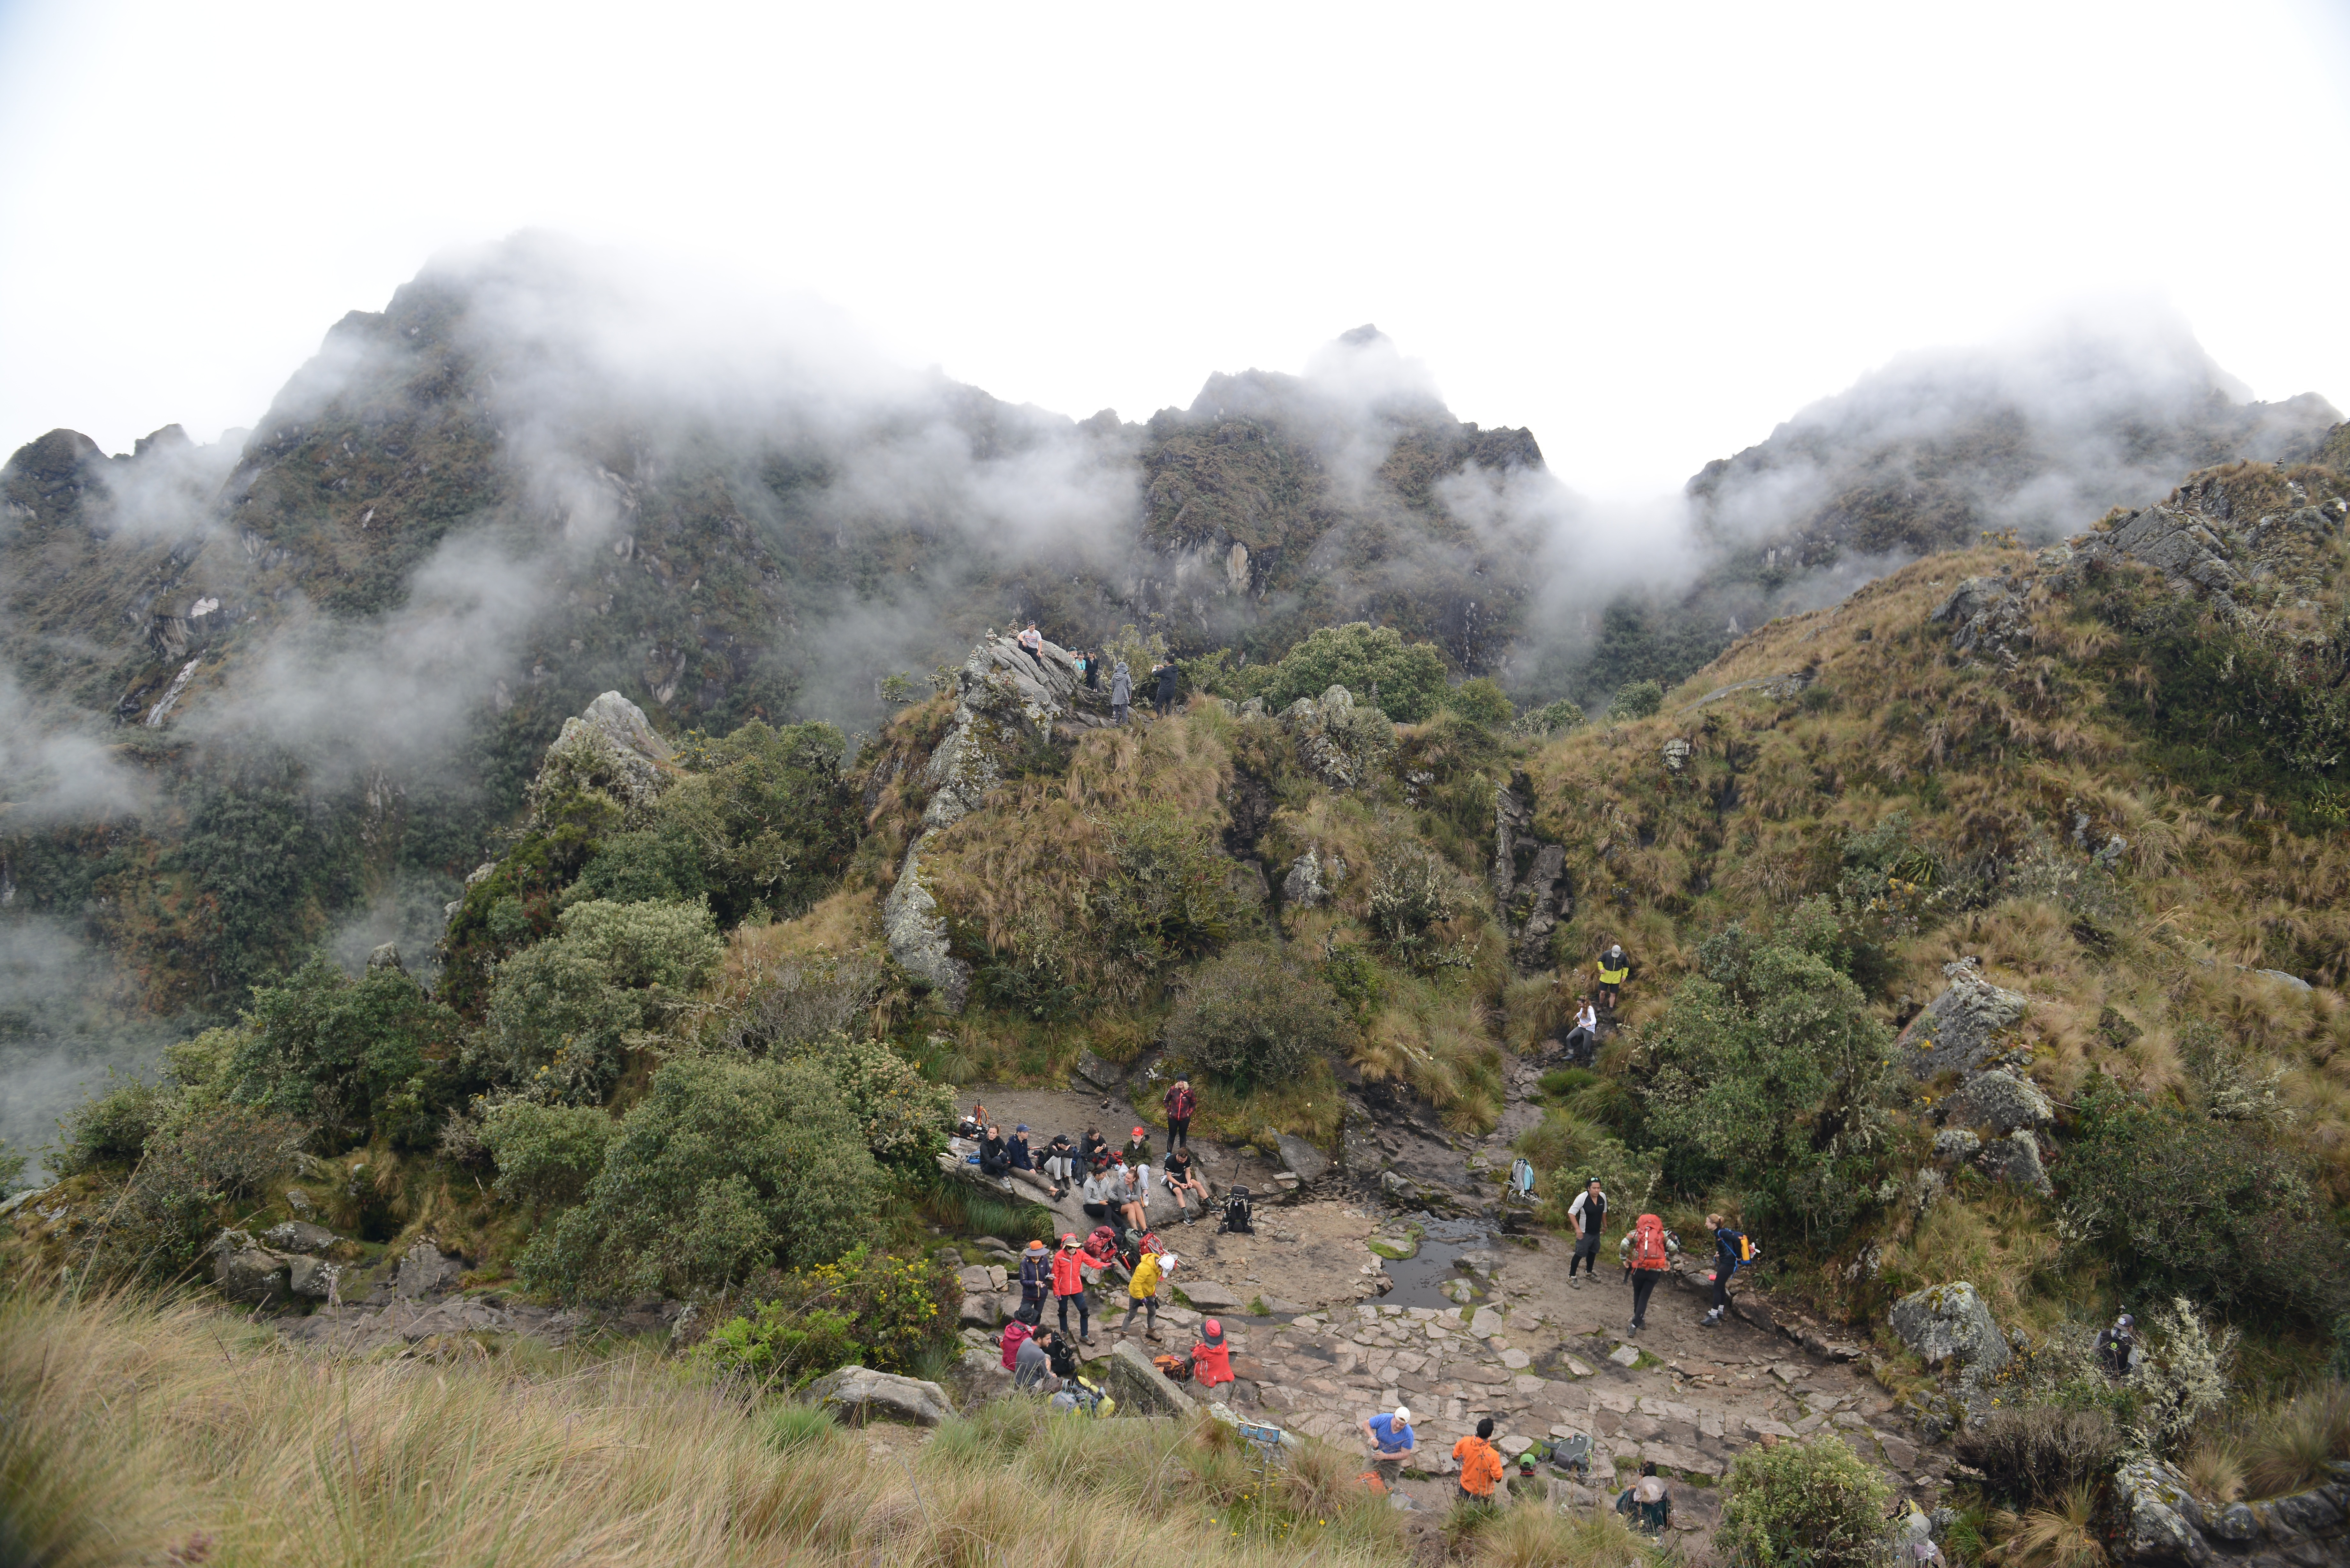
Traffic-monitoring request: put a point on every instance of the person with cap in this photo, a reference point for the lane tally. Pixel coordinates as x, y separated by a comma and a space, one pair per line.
1069, 1284
1104, 1191
1036, 1278
1121, 692
2117, 1345
1589, 1212
1480, 1466
1016, 1149
1391, 1444
1645, 1505
1180, 1103
1138, 1147
1016, 1333
1142, 1293
1211, 1358
1615, 968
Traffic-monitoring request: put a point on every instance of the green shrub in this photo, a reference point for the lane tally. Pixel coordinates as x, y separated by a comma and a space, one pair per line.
1255, 1015
12, 1169
763, 821
2030, 1455
1412, 891
870, 1308
1550, 719
1636, 700
903, 1114
726, 1167
350, 1054
1409, 676
779, 1343
562, 1013
1814, 1503
1481, 701
545, 1154
112, 1128
1166, 897
791, 1427
195, 1167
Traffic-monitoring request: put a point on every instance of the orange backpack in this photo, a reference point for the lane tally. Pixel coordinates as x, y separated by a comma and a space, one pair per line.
1649, 1243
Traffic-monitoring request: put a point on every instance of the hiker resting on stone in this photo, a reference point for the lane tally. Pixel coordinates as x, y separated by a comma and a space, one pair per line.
1104, 1191
1583, 1041
1646, 1504
1391, 1444
1180, 1103
1211, 1358
993, 1160
1647, 1249
1069, 1285
1134, 1200
1138, 1147
1480, 1466
1589, 1212
1142, 1293
1093, 1147
1121, 692
1032, 643
1615, 968
1060, 1163
1183, 1181
1032, 1368
1016, 1149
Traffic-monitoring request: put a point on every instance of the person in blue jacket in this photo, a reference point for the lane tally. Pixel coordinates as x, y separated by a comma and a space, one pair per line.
1730, 1250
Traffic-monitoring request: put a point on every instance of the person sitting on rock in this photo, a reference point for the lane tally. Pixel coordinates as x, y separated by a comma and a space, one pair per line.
1182, 1178
1646, 1504
1066, 1363
1211, 1358
1480, 1466
1583, 1040
1016, 1149
1134, 1199
1016, 1333
1032, 643
1103, 1194
1060, 1163
1095, 1148
1032, 1366
975, 1125
993, 1159
1138, 1147
1391, 1444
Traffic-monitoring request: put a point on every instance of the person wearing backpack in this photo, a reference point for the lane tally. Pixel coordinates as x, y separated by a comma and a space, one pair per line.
1018, 1332
1211, 1358
1647, 1249
1480, 1466
1645, 1505
1069, 1285
1732, 1251
1589, 1212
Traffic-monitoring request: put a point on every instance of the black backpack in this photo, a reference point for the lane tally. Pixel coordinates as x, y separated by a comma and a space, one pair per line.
1238, 1213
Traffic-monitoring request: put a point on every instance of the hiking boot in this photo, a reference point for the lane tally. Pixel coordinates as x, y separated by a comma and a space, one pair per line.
1634, 1328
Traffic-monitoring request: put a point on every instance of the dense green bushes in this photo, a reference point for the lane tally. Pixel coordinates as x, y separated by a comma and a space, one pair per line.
344, 1053
546, 1154
1409, 676
869, 1309
726, 1167
1255, 1015
563, 1012
1814, 1503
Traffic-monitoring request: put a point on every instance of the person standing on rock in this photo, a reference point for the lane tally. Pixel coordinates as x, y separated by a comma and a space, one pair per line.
1035, 1279
1142, 1294
1181, 1101
1614, 969
1480, 1466
1647, 1249
1170, 675
1093, 672
1069, 1284
1391, 1444
1121, 692
1589, 1212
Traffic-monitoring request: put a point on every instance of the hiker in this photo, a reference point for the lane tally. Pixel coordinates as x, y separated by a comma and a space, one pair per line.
1069, 1284
1391, 1444
1180, 1103
1060, 1163
1731, 1249
1016, 1149
1646, 1504
1170, 673
1032, 1368
1180, 1178
993, 1160
1142, 1293
1066, 1363
1480, 1466
1100, 1250
1133, 1199
1121, 692
1615, 968
1093, 672
1102, 1194
1138, 1148
2117, 1345
1589, 1212
1036, 1278
1211, 1358
1094, 1149
1032, 643
1016, 1333
1583, 1040
1647, 1249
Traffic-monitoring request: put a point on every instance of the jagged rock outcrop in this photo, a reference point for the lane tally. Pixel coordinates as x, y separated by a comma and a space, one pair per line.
1951, 1323
1530, 888
2162, 1524
2001, 1101
2015, 1159
244, 1271
1142, 1388
916, 929
1347, 744
610, 747
2201, 544
1958, 1029
1986, 616
1313, 878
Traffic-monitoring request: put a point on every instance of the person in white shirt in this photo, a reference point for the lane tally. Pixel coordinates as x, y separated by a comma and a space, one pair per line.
1583, 1040
1589, 1212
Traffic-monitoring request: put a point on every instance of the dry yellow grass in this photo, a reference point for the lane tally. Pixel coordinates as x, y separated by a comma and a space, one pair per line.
139, 1431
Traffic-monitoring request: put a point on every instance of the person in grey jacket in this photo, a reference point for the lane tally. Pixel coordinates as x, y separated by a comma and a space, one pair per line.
1121, 692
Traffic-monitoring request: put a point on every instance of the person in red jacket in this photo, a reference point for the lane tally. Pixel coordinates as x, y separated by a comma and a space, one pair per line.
1180, 1103
1211, 1358
1069, 1285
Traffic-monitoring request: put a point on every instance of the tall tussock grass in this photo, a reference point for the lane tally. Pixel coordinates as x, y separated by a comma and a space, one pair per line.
136, 1431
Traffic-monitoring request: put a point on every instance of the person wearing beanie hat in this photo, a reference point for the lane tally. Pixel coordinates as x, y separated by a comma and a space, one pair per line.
1069, 1285
1211, 1358
1391, 1444
1036, 1278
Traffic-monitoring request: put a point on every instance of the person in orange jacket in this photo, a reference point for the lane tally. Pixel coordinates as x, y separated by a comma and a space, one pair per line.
1211, 1358
1480, 1465
1069, 1285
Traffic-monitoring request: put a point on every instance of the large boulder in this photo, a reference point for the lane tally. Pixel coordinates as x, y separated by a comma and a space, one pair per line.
1141, 1388
1210, 1296
1951, 1323
1313, 878
1101, 1074
859, 1393
1310, 1163
611, 748
1958, 1028
300, 1236
1984, 615
2154, 1506
2003, 1102
916, 929
244, 1271
2015, 1159
426, 1271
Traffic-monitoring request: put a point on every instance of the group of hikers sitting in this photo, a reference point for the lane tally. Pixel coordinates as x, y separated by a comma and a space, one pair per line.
1117, 1186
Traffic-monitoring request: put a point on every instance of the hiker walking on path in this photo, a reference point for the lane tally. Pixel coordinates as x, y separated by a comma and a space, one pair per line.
1731, 1249
1647, 1249
1615, 968
1480, 1466
1121, 692
1391, 1444
1069, 1284
1181, 1101
1142, 1293
1589, 1212
2117, 1345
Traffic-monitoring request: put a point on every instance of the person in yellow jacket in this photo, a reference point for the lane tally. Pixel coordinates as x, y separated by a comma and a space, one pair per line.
1614, 969
1142, 1292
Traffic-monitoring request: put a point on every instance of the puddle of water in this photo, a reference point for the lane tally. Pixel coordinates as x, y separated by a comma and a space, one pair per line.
1417, 1277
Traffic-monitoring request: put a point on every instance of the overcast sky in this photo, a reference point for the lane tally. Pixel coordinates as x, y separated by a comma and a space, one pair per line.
1649, 232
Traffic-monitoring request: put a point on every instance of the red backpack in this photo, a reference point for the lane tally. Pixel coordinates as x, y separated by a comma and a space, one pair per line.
1014, 1333
1647, 1242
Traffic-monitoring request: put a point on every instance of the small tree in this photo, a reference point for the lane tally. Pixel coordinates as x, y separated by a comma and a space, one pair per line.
546, 1154
563, 1012
1636, 700
1409, 676
1481, 701
1814, 1503
1256, 1015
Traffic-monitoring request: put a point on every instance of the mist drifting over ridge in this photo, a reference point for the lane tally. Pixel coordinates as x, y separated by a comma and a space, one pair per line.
302, 675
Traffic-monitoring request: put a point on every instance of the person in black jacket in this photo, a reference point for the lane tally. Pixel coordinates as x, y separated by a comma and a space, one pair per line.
1727, 1260
1170, 677
994, 1159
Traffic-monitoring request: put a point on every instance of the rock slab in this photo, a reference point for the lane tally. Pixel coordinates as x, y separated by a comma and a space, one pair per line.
861, 1393
1141, 1388
1950, 1323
